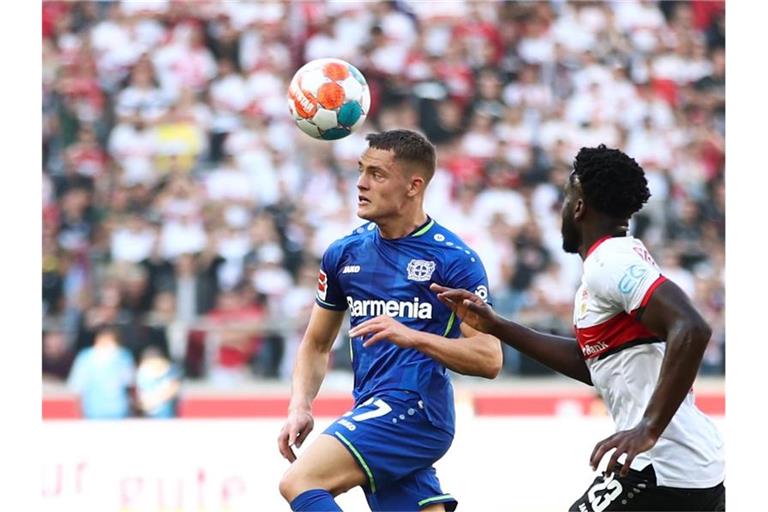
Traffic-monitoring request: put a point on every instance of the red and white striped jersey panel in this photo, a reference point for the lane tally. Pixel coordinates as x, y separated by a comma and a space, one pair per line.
619, 279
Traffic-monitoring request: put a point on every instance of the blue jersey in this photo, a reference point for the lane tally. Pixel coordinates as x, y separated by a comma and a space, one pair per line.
370, 276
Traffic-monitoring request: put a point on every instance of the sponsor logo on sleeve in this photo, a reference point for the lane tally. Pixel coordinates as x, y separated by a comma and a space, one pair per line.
482, 292
634, 275
322, 285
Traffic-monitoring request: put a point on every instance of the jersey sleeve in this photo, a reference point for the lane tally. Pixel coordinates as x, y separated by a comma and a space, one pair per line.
329, 294
626, 282
467, 271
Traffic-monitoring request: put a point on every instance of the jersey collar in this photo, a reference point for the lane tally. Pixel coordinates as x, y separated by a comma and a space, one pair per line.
596, 244
423, 228
603, 239
420, 230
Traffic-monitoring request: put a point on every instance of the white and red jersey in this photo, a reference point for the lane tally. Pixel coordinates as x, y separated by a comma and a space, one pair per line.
624, 359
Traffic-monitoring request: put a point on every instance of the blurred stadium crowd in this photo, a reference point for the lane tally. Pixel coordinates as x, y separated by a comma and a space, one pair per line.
181, 204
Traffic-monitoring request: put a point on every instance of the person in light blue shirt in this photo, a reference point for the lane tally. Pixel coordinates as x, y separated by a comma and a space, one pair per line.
403, 342
103, 375
158, 383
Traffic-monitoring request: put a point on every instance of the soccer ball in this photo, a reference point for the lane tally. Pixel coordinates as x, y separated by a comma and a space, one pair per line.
328, 98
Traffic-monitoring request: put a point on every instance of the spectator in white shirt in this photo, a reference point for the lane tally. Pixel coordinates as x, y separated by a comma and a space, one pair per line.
229, 182
229, 97
183, 235
142, 97
133, 240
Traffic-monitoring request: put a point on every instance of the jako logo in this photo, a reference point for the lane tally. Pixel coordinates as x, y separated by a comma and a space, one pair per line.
351, 269
393, 308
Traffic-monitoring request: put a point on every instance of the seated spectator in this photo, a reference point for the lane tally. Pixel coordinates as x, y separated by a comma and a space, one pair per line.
164, 317
142, 98
57, 356
234, 337
86, 153
133, 240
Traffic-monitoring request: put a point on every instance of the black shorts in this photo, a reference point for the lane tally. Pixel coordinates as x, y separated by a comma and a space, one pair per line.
638, 491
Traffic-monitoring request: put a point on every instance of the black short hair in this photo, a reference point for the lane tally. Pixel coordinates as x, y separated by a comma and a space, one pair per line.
613, 183
408, 146
107, 329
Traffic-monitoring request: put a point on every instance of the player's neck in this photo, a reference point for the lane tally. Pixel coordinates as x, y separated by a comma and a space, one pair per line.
599, 232
401, 226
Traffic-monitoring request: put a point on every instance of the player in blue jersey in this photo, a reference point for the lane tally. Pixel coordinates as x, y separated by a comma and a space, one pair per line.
403, 340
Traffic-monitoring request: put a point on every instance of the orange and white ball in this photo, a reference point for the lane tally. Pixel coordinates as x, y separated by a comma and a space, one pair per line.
328, 98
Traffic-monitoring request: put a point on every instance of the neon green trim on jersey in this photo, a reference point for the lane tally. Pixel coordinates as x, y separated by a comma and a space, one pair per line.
425, 228
450, 324
436, 498
359, 459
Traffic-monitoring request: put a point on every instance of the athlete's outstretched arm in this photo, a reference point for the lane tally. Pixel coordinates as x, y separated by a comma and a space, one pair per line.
308, 374
557, 352
669, 314
475, 353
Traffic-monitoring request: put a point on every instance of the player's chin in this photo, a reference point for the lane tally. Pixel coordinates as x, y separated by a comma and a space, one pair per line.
570, 245
365, 211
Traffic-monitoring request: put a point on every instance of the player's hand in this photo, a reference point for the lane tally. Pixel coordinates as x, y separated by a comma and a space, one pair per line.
385, 327
631, 442
471, 309
296, 429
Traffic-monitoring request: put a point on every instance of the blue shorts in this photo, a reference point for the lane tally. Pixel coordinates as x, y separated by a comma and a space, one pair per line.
394, 443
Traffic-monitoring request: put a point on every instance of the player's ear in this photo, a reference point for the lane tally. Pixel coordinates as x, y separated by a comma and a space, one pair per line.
576, 193
579, 205
416, 185
579, 209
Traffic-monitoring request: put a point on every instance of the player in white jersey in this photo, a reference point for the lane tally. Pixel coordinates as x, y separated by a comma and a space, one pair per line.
639, 341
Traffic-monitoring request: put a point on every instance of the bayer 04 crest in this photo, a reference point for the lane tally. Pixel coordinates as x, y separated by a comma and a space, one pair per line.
420, 270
